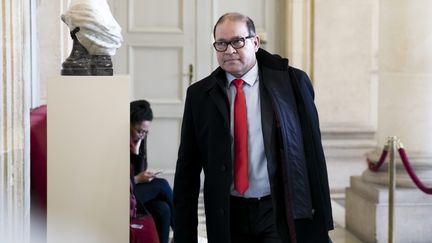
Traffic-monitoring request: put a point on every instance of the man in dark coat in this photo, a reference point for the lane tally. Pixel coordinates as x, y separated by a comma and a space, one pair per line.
253, 128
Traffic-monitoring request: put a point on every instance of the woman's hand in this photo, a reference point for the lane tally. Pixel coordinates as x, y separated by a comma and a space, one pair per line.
145, 176
134, 146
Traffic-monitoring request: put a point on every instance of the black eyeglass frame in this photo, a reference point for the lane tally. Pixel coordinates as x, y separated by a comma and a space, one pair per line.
242, 39
141, 132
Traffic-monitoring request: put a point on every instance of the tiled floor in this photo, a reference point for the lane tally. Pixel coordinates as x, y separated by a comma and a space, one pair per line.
338, 235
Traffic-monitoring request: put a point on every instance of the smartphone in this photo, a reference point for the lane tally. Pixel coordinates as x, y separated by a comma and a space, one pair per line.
137, 226
157, 173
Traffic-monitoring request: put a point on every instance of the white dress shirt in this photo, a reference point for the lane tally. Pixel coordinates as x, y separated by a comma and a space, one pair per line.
259, 185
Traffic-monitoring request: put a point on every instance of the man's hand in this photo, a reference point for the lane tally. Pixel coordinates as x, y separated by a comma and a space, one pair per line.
145, 176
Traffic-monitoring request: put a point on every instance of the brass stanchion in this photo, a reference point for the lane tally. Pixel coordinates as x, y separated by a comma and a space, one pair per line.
392, 146
391, 188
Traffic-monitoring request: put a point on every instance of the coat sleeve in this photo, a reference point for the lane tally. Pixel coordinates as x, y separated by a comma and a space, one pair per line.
187, 179
304, 81
320, 180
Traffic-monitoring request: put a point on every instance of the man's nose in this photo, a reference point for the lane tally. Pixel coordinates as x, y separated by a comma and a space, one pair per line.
230, 49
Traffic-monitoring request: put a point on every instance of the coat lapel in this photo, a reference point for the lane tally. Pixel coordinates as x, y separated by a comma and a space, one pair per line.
267, 123
218, 93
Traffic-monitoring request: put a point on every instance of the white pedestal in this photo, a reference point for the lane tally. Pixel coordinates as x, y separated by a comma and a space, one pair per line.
88, 159
367, 213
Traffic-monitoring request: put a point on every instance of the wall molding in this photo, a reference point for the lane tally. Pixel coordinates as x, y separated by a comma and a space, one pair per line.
137, 29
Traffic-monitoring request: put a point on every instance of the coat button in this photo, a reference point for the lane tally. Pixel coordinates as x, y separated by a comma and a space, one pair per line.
222, 211
223, 168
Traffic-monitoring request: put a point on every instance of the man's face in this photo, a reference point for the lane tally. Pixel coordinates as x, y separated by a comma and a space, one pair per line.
236, 61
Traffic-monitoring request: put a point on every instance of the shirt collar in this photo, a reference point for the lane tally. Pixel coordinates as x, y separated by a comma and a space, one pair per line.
250, 77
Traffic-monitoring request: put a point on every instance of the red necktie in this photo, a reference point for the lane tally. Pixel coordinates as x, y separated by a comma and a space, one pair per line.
240, 140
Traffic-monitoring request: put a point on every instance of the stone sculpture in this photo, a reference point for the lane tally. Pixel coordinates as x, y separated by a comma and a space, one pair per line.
96, 37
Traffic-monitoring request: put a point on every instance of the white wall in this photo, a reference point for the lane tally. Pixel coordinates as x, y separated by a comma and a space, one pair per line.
347, 39
52, 44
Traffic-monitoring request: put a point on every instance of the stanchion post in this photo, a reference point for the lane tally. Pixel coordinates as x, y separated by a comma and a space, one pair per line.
391, 188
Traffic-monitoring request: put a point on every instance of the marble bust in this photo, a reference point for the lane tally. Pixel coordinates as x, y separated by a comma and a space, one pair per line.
96, 37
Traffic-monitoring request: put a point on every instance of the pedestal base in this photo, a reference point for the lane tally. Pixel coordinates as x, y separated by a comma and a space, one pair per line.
367, 213
88, 159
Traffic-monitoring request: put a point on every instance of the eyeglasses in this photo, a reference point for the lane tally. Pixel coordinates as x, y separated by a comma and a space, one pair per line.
141, 132
237, 43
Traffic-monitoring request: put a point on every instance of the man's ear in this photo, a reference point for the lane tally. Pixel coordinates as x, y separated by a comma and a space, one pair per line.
257, 41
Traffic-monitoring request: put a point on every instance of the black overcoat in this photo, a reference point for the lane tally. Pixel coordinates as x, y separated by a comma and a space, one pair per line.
292, 141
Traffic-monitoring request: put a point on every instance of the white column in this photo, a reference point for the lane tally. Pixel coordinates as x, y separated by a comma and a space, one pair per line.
346, 84
405, 86
297, 29
404, 110
14, 120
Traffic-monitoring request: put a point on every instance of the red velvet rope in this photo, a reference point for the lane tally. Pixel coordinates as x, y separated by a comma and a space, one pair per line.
375, 166
412, 173
405, 161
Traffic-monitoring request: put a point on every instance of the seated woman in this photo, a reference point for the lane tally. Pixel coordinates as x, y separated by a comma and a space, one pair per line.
151, 193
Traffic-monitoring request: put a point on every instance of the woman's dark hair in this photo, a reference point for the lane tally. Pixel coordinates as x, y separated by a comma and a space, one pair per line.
140, 111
